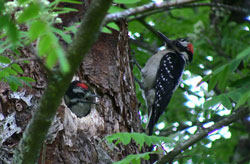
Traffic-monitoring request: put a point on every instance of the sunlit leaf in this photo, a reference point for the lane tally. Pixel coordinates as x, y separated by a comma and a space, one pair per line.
106, 30
10, 71
114, 9
28, 79
37, 28
17, 68
65, 37
113, 25
4, 59
30, 12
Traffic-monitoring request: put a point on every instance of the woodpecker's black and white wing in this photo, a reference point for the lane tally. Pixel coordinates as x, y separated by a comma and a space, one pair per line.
168, 78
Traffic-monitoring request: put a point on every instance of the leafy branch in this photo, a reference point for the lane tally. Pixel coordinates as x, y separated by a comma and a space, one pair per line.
141, 138
203, 133
20, 60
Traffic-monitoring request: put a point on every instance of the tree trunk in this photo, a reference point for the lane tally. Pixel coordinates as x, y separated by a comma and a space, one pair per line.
107, 70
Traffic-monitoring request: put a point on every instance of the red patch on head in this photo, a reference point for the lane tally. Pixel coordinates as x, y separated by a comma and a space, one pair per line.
191, 48
82, 85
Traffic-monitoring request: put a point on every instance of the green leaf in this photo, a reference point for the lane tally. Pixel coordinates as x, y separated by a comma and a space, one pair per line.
223, 78
114, 9
139, 138
4, 60
4, 21
244, 53
14, 82
65, 37
106, 30
226, 102
212, 82
64, 65
240, 82
125, 138
234, 95
64, 10
209, 160
72, 28
196, 158
17, 68
3, 74
10, 71
22, 1
126, 1
12, 32
210, 103
135, 158
113, 26
28, 79
71, 1
13, 86
234, 64
51, 59
243, 99
1, 5
30, 12
37, 28
45, 43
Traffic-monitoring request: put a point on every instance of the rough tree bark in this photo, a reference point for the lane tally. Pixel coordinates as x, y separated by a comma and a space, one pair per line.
107, 69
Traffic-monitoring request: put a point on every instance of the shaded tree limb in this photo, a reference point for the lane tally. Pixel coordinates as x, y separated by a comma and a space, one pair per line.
201, 134
144, 8
144, 45
219, 5
30, 145
153, 8
150, 28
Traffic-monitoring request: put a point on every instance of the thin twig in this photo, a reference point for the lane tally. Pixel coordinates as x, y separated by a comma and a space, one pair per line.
16, 62
144, 45
202, 134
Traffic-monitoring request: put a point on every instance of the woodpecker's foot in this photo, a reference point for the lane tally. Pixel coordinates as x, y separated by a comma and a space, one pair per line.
134, 62
139, 83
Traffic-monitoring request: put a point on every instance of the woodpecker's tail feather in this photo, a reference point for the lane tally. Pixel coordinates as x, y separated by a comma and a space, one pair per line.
151, 122
151, 125
155, 114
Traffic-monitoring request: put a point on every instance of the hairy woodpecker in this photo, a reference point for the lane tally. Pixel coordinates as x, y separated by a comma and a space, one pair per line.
162, 75
79, 98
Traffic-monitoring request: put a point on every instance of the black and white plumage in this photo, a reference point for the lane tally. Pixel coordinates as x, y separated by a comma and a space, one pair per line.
79, 98
162, 74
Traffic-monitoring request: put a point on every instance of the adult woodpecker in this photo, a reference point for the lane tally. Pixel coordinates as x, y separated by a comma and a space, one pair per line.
162, 75
79, 98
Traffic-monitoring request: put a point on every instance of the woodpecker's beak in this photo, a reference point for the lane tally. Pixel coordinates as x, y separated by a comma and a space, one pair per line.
93, 95
163, 37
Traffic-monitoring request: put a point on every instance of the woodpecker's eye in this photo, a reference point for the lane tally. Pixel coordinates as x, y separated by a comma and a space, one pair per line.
178, 44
